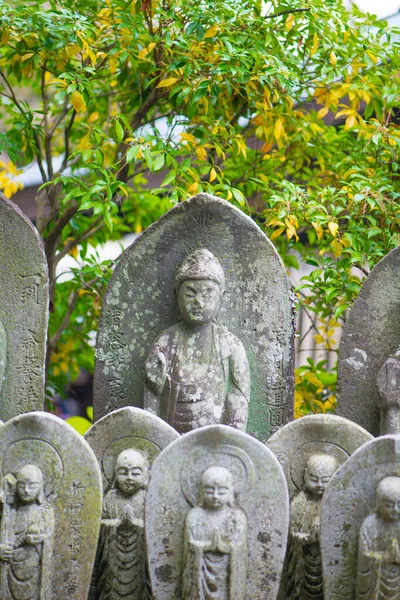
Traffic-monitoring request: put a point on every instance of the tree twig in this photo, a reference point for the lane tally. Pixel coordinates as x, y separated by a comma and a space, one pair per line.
286, 12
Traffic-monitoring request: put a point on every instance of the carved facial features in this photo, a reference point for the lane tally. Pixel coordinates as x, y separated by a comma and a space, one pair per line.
131, 471
216, 488
388, 499
29, 484
318, 473
199, 300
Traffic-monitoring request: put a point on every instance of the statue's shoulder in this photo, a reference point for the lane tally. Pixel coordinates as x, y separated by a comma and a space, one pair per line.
370, 525
227, 339
194, 515
167, 336
238, 515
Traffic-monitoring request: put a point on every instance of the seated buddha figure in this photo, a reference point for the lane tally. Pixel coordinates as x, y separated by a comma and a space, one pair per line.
304, 553
378, 572
215, 542
26, 544
197, 371
120, 570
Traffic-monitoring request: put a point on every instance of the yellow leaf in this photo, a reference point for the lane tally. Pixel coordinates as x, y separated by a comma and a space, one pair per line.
313, 379
315, 45
192, 189
84, 144
229, 195
350, 122
56, 371
167, 82
188, 137
213, 174
211, 32
64, 366
322, 112
333, 228
138, 226
318, 230
337, 248
78, 102
5, 36
47, 77
333, 58
276, 233
93, 117
289, 22
74, 252
279, 130
372, 57
26, 56
201, 153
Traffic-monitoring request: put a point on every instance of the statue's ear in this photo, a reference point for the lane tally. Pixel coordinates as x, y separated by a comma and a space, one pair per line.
41, 495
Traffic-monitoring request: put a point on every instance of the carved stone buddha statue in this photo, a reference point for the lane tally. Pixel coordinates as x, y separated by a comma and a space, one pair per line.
304, 561
3, 354
215, 542
197, 371
378, 573
26, 543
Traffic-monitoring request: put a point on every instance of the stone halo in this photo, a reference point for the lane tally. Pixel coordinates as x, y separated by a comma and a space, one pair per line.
111, 453
300, 458
200, 459
39, 453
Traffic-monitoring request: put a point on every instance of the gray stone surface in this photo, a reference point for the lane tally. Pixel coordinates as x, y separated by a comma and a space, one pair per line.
126, 442
50, 507
388, 382
24, 303
216, 518
140, 305
360, 525
370, 336
310, 450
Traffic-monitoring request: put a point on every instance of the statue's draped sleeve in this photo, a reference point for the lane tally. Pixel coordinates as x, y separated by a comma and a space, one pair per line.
103, 548
157, 394
238, 562
3, 354
369, 562
237, 376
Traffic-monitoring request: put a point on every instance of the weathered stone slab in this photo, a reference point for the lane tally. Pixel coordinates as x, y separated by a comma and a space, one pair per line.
360, 524
126, 442
216, 518
141, 337
310, 450
50, 509
24, 301
370, 336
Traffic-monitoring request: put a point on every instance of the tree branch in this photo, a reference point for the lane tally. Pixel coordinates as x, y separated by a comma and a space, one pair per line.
286, 12
94, 228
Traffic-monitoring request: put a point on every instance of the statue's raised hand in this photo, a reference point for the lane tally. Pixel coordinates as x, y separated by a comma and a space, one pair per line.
6, 551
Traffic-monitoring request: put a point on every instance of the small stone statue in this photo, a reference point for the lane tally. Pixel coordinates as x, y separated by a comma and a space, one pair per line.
215, 542
388, 382
197, 371
26, 542
119, 572
378, 573
3, 354
305, 562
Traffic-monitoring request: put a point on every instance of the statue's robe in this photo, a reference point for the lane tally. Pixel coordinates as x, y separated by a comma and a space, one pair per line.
304, 563
188, 401
29, 571
378, 577
3, 354
215, 575
120, 567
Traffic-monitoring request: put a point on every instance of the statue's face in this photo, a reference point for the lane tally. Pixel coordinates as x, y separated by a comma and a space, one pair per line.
29, 484
318, 473
199, 300
131, 472
388, 499
216, 488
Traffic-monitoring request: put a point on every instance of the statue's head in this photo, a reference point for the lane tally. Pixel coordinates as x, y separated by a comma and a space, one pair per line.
388, 499
199, 284
318, 472
216, 488
30, 486
131, 471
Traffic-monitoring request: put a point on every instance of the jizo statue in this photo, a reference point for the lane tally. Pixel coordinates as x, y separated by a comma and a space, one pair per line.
378, 572
119, 572
215, 542
305, 562
26, 541
197, 371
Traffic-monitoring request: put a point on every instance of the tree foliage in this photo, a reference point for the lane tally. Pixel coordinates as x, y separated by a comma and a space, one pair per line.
287, 109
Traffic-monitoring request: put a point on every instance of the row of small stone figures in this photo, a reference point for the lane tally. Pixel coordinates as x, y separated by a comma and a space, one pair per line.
211, 520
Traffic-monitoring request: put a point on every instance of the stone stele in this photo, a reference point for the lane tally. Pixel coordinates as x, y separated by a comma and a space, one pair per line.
50, 507
310, 450
125, 442
216, 518
24, 301
360, 525
370, 336
252, 332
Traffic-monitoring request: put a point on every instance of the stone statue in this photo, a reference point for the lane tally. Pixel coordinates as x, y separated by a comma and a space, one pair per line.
215, 542
304, 560
197, 371
3, 354
388, 382
378, 572
119, 572
26, 542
